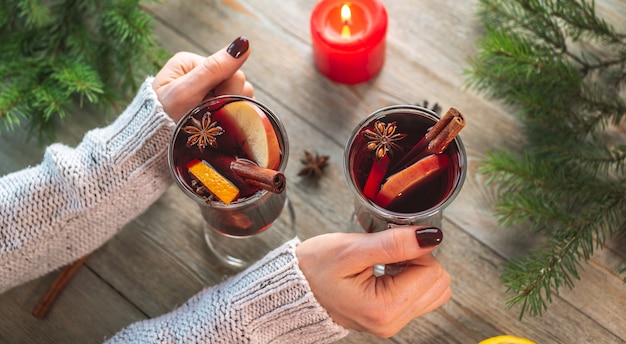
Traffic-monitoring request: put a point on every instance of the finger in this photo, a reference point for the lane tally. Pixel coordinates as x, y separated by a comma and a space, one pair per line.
218, 67
179, 64
248, 90
444, 297
415, 311
423, 260
395, 245
232, 85
420, 282
414, 291
438, 294
398, 305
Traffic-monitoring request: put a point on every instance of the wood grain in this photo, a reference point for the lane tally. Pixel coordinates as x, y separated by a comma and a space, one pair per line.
160, 259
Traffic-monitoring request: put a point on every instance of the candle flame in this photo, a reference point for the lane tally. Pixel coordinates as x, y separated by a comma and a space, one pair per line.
345, 32
346, 17
346, 14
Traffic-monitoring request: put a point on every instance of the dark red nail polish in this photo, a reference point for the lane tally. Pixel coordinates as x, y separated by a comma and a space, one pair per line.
427, 237
238, 47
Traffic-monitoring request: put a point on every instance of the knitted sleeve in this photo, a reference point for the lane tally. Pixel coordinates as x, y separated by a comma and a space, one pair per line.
270, 302
77, 198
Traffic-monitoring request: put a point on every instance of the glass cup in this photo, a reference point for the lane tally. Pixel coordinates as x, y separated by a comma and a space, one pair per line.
421, 204
257, 221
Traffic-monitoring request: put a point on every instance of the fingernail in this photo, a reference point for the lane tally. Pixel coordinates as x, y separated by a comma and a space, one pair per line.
427, 237
238, 47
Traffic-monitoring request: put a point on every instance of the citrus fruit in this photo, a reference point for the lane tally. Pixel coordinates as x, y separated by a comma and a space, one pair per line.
507, 339
417, 174
219, 186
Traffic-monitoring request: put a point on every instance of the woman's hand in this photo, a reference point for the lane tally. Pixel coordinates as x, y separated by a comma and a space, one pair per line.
187, 79
338, 267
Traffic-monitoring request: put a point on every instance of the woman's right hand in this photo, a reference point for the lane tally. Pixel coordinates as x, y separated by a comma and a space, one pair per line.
339, 269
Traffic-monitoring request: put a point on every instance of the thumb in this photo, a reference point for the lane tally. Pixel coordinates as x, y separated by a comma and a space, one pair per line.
399, 244
220, 66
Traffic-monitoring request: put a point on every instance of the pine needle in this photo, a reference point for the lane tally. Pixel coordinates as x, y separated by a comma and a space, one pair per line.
569, 184
57, 54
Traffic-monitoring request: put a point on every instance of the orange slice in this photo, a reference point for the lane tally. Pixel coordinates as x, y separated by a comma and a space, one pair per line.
409, 178
219, 186
507, 339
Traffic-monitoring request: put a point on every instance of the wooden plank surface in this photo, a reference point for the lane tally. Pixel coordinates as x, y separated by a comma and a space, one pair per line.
160, 259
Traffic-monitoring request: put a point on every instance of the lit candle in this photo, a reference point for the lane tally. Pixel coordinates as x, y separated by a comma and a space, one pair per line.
349, 39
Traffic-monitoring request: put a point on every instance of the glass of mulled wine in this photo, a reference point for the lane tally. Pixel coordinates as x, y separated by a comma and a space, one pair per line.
403, 168
228, 154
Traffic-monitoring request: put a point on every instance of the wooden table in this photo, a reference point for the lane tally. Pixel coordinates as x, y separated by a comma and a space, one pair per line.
160, 260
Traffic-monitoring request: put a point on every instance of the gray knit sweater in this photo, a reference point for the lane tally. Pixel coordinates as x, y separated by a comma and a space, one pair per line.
77, 198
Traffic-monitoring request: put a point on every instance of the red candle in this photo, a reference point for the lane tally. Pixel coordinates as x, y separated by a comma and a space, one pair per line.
349, 39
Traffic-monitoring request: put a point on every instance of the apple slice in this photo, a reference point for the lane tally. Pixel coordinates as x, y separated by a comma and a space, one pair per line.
253, 130
404, 181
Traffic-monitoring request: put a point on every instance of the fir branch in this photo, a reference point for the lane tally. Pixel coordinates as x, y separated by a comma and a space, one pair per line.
581, 21
33, 12
569, 184
535, 277
604, 161
78, 78
10, 99
548, 87
57, 52
522, 18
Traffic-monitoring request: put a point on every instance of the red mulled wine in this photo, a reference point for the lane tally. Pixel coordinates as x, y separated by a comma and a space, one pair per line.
227, 148
397, 133
211, 137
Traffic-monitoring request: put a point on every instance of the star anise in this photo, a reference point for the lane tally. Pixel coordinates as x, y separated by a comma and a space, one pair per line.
203, 133
313, 165
382, 139
436, 108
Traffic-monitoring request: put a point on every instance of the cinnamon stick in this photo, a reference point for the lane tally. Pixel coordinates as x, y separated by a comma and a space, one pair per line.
440, 142
436, 140
376, 176
57, 286
265, 178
